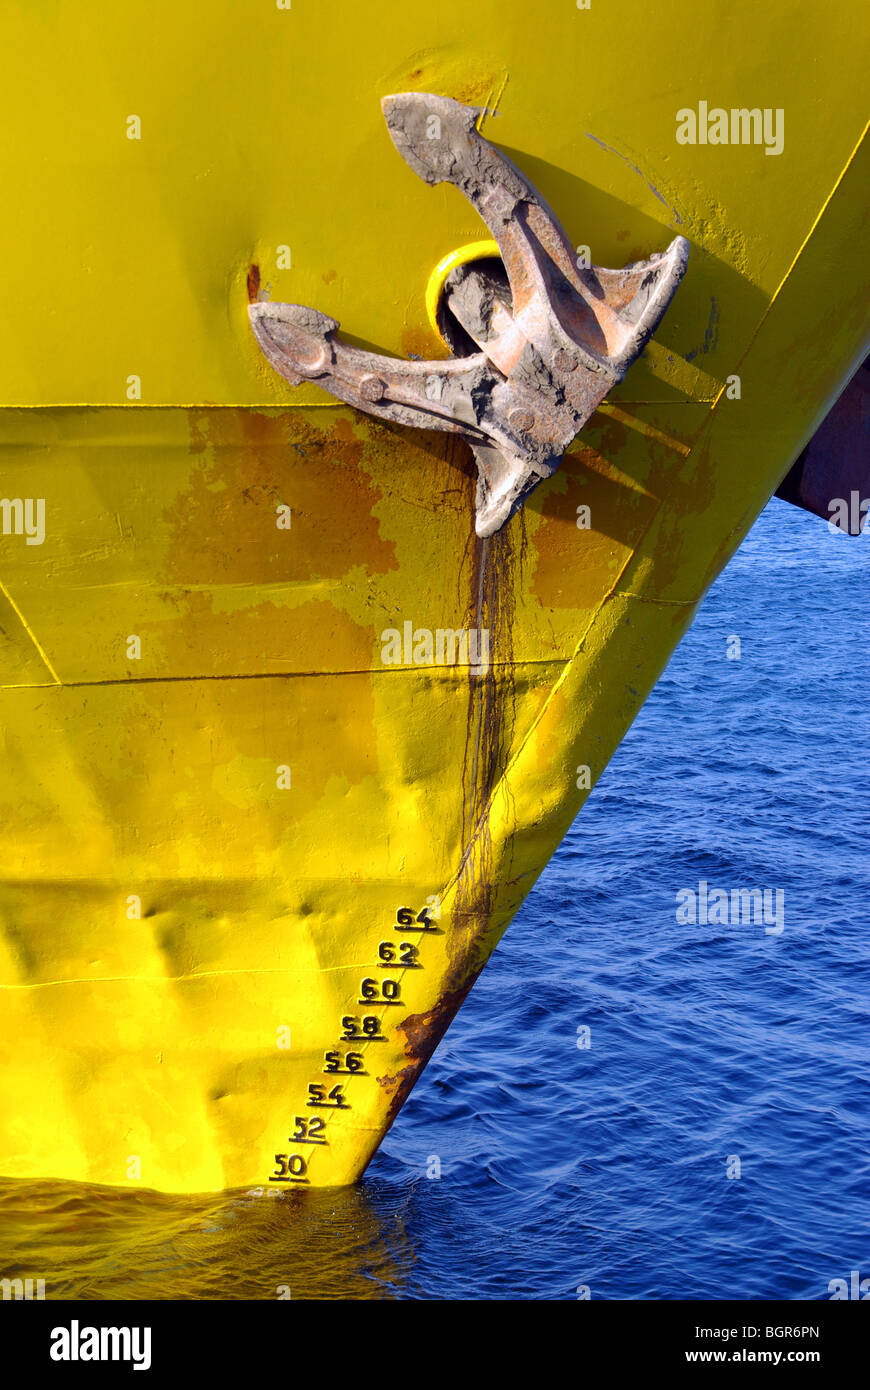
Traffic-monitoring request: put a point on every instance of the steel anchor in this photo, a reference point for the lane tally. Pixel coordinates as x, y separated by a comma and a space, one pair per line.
552, 338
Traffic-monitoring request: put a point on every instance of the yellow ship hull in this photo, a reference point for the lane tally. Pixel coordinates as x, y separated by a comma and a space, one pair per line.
261, 831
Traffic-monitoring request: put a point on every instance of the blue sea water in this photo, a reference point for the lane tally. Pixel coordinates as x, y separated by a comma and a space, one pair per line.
607, 1166
711, 1141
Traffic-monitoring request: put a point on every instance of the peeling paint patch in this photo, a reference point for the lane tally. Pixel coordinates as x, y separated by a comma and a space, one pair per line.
423, 1032
711, 335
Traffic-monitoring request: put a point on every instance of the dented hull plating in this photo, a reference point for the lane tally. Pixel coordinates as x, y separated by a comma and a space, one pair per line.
229, 842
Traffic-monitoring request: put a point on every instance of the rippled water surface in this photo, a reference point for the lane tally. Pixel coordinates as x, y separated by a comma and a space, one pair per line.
607, 1166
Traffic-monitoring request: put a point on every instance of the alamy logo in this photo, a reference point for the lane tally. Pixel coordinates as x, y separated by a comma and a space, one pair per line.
717, 907
446, 646
848, 516
75, 1343
22, 1288
856, 1290
740, 125
24, 517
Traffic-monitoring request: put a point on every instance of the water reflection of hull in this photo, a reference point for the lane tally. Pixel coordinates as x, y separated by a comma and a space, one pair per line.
264, 1245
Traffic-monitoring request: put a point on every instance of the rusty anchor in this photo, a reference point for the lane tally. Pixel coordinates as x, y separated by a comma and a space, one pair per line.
544, 339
